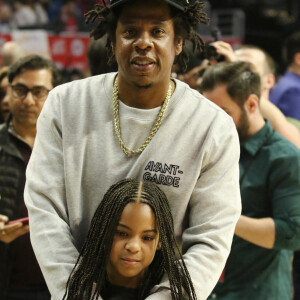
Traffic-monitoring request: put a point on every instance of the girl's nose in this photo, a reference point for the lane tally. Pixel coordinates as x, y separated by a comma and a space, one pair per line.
133, 245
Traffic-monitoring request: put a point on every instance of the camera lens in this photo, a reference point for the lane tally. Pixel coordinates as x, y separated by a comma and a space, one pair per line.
211, 53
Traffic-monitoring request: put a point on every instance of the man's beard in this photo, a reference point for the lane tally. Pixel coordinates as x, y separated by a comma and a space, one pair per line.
243, 127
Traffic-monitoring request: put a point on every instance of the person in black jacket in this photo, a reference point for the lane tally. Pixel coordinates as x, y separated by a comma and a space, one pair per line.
30, 80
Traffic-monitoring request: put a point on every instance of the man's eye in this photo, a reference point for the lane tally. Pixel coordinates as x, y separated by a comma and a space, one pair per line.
158, 31
20, 90
38, 91
129, 32
2, 93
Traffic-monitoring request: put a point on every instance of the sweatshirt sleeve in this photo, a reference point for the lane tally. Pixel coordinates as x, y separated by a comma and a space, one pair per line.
214, 209
45, 198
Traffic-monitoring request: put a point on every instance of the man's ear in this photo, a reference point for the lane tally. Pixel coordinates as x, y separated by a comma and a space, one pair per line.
297, 59
270, 81
251, 104
178, 45
112, 47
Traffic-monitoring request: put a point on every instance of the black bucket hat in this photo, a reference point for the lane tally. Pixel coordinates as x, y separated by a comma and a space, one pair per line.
179, 4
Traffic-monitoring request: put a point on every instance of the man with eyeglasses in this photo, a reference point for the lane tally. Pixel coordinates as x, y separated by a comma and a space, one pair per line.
30, 80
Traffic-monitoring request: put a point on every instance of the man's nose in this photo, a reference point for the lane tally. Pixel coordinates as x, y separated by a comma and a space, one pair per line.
144, 41
5, 102
28, 100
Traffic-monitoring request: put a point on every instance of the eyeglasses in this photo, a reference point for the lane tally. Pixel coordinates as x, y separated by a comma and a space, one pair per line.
20, 91
2, 93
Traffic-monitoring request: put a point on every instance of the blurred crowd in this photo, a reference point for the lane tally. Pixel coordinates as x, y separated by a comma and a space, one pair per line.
56, 15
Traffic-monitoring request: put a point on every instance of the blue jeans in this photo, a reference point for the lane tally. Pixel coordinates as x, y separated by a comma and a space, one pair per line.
28, 295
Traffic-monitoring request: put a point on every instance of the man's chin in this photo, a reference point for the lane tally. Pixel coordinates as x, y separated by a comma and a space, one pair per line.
143, 81
28, 122
144, 85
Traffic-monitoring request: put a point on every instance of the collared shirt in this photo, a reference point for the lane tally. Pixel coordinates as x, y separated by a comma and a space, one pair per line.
286, 95
270, 187
12, 131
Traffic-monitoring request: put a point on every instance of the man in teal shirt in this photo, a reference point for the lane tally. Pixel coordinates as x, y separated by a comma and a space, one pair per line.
259, 265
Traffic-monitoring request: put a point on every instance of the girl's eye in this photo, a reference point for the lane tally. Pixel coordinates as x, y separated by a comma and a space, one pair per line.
121, 233
148, 238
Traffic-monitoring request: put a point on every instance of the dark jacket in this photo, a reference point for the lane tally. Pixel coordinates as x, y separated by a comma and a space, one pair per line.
12, 182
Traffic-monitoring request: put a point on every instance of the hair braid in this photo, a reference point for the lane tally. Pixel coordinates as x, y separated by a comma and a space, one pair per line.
185, 26
195, 13
99, 13
89, 277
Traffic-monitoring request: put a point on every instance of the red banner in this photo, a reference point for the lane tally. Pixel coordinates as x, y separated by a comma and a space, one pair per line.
67, 51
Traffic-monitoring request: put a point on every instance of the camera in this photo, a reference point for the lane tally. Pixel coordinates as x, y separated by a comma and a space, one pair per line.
210, 51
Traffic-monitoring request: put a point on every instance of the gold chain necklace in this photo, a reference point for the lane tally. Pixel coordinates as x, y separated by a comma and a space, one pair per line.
154, 128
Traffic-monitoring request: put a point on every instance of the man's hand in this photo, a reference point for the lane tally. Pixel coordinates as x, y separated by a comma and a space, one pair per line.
3, 220
8, 233
226, 50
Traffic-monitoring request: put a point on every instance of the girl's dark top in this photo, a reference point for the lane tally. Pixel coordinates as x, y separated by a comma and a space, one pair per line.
115, 292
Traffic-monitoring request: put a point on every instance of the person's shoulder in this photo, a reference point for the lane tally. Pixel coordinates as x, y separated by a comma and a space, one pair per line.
282, 160
3, 134
282, 141
3, 129
287, 81
86, 87
284, 90
193, 99
280, 147
203, 113
88, 82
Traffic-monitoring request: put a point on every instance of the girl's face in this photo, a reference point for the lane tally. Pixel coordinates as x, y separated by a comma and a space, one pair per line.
135, 243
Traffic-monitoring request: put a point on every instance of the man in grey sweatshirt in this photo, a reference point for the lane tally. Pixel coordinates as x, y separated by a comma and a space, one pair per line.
137, 123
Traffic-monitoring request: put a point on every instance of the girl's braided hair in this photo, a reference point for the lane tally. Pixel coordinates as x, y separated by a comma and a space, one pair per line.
89, 277
184, 27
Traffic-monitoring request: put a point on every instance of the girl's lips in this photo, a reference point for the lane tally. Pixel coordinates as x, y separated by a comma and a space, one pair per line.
130, 261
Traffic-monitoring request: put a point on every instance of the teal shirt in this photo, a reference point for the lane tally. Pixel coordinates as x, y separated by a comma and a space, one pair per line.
270, 187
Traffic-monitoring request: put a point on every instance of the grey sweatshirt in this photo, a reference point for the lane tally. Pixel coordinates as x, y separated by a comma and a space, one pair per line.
76, 157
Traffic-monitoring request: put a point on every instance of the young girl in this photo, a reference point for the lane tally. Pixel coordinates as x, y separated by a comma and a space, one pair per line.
130, 245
